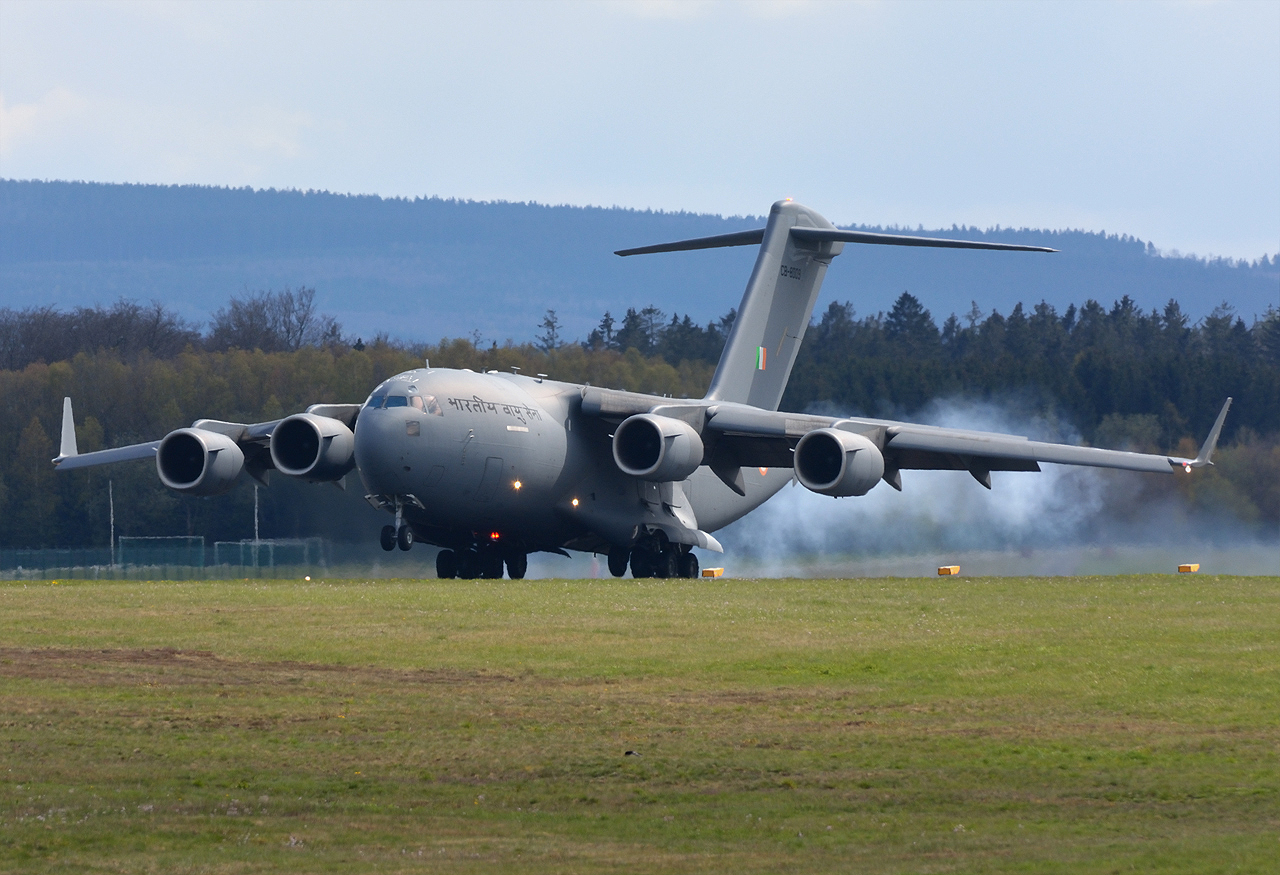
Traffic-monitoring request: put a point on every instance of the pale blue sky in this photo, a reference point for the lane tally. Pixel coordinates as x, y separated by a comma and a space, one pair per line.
1156, 119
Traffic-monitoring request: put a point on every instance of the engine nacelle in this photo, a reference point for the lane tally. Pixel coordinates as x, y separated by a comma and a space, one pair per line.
657, 448
840, 463
198, 462
316, 448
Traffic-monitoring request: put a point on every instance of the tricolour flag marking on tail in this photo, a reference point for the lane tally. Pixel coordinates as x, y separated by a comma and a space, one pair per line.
760, 357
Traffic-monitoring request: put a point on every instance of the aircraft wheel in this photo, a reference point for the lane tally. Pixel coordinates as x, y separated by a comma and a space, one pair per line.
517, 565
618, 558
404, 538
491, 565
446, 565
688, 565
388, 538
469, 565
668, 563
641, 563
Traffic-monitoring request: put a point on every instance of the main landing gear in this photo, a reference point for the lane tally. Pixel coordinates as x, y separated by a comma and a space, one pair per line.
654, 556
484, 562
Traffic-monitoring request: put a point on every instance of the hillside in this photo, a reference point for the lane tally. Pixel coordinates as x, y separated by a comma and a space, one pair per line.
429, 268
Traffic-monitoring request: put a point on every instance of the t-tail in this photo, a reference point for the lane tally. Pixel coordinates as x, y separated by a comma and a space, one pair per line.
796, 246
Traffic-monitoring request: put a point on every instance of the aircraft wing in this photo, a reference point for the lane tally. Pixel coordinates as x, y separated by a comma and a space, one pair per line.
252, 438
742, 436
750, 437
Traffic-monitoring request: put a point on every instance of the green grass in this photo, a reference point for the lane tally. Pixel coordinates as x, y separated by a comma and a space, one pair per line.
959, 725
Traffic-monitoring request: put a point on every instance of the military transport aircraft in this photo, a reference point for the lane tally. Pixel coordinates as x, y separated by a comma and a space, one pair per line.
493, 466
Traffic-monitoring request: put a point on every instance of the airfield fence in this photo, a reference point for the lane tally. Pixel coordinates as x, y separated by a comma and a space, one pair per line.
271, 553
162, 550
168, 558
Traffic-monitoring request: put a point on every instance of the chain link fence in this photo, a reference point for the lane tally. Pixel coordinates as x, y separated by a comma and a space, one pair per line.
169, 558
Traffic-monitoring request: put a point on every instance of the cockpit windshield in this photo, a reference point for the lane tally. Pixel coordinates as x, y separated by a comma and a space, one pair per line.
425, 403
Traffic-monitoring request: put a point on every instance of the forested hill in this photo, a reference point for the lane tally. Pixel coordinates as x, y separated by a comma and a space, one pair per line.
424, 269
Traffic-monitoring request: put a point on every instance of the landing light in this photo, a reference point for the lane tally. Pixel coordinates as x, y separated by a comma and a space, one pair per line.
1186, 467
574, 502
516, 485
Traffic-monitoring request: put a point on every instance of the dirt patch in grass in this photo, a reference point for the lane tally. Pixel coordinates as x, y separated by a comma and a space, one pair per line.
203, 666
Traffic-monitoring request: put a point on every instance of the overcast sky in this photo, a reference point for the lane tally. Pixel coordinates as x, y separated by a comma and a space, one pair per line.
1160, 120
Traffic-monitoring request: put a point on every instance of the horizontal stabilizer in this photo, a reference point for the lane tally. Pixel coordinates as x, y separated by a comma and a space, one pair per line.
836, 235
827, 235
738, 238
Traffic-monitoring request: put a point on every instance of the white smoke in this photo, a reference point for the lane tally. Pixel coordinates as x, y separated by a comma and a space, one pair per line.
941, 514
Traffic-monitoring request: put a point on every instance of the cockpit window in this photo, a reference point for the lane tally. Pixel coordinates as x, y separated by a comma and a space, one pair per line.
425, 403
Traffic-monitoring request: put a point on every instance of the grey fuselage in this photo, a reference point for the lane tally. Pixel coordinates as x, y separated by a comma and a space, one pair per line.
479, 454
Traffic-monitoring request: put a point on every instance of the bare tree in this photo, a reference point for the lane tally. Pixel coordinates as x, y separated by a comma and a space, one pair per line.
129, 328
282, 321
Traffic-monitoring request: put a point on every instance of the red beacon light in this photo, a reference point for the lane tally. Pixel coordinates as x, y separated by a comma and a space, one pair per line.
493, 536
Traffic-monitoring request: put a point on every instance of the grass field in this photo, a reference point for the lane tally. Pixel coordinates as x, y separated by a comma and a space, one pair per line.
961, 725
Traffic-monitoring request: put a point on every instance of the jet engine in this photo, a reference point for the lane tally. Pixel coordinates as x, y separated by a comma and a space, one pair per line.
316, 448
839, 463
198, 462
657, 448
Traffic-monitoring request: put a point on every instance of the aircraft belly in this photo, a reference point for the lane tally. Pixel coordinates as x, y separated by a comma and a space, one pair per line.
716, 505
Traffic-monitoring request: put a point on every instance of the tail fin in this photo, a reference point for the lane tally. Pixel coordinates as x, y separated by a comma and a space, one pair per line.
775, 310
796, 247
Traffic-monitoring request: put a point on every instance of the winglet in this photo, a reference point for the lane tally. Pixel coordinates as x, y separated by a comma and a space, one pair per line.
1211, 441
68, 447
1206, 450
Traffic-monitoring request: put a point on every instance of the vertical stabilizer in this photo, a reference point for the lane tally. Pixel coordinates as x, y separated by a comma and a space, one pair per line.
775, 310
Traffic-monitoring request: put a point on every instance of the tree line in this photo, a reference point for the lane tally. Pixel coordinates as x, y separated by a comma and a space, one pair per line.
272, 321
1094, 365
1123, 377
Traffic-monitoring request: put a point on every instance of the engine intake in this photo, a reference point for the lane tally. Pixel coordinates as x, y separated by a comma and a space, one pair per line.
316, 448
198, 462
657, 448
840, 463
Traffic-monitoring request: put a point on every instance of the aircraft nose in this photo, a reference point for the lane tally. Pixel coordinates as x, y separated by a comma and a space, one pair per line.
376, 449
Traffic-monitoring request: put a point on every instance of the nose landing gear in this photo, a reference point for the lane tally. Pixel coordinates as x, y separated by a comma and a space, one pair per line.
399, 535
